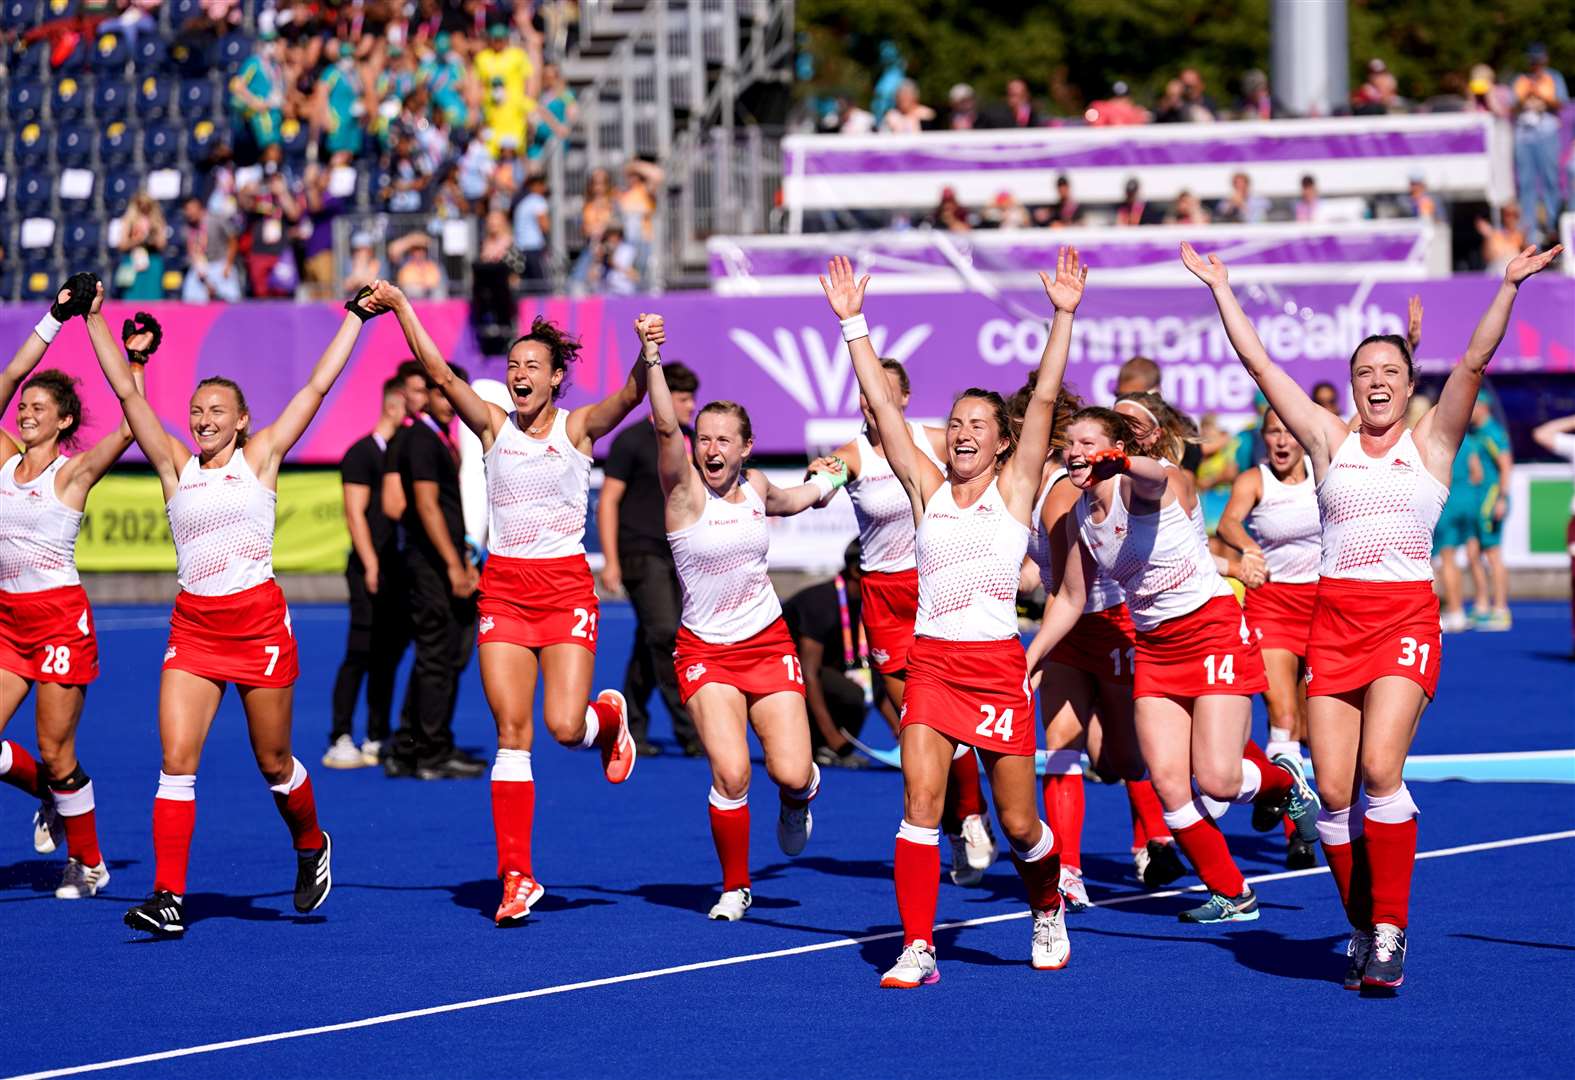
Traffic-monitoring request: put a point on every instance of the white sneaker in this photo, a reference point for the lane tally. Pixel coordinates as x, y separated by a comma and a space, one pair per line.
81, 881
916, 967
730, 907
962, 872
343, 754
49, 830
1140, 861
794, 824
981, 844
1073, 892
372, 752
1454, 622
1052, 948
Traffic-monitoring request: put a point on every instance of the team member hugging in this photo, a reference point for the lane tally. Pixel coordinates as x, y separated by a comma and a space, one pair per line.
46, 623
735, 661
967, 683
1373, 650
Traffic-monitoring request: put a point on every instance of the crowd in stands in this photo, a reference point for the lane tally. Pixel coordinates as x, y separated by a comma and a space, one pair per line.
1531, 101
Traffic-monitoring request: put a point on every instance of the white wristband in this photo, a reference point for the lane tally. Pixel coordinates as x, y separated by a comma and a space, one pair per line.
855, 327
47, 328
823, 484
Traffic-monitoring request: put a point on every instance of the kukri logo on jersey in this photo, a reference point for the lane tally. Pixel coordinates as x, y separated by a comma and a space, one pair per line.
817, 371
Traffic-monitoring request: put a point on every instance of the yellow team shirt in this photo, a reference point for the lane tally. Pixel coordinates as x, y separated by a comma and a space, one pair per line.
507, 117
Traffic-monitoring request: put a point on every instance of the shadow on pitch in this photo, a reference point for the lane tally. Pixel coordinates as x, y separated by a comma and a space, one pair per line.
1319, 959
482, 897
1553, 945
39, 877
200, 907
880, 955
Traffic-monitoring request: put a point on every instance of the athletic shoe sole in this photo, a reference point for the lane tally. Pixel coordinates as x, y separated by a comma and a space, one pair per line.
1164, 865
625, 737
889, 983
137, 920
531, 899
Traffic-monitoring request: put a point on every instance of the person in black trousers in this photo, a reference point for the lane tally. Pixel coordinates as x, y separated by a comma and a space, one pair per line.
423, 478
824, 622
379, 630
629, 518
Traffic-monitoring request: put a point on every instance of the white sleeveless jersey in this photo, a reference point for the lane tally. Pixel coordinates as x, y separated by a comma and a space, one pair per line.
536, 493
969, 561
1289, 528
38, 532
1196, 513
721, 563
883, 509
1102, 593
222, 522
1161, 563
1379, 513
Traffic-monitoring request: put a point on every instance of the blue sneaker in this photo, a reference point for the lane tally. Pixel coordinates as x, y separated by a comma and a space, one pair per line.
1358, 951
1303, 805
1222, 909
1386, 969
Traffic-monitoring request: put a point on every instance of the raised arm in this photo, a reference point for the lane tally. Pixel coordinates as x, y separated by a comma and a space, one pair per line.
1439, 433
266, 450
141, 337
481, 417
1025, 467
1244, 495
1062, 613
1547, 434
590, 422
785, 502
1318, 430
918, 474
73, 298
166, 455
680, 482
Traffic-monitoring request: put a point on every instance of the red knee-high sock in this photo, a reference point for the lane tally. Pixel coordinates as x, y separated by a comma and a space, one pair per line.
173, 821
1064, 805
1205, 848
1040, 869
1147, 813
970, 793
21, 771
1276, 781
513, 810
730, 832
1348, 866
1391, 855
75, 806
916, 870
298, 807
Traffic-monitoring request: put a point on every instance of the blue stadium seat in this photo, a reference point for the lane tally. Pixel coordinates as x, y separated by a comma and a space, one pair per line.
118, 188
149, 56
112, 100
294, 136
7, 283
197, 98
33, 61
181, 11
82, 242
74, 146
29, 149
33, 194
155, 97
111, 54
68, 103
160, 146
201, 138
25, 101
20, 14
38, 280
174, 272
76, 61
116, 146
234, 48
60, 9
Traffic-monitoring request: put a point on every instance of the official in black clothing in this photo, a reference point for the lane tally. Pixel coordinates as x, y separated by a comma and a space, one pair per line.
824, 622
423, 473
379, 629
629, 518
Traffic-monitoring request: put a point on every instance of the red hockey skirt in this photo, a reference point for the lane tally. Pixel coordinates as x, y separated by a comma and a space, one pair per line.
243, 638
973, 691
537, 602
1101, 643
1364, 630
889, 602
47, 636
1207, 651
1280, 615
766, 663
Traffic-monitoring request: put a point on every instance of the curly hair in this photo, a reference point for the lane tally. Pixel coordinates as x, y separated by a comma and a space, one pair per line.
62, 388
1067, 403
562, 349
1176, 429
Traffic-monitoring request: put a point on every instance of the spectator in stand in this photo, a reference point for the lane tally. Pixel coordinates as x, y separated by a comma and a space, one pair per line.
211, 249
617, 268
508, 84
1137, 376
908, 115
1540, 92
556, 112
1326, 396
365, 266
508, 175
964, 108
1379, 94
1421, 203
451, 83
327, 193
143, 234
596, 213
272, 210
1501, 244
1117, 109
636, 203
340, 101
257, 94
1484, 93
1256, 102
408, 172
1241, 206
531, 228
1006, 213
1307, 204
418, 275
823, 620
852, 120
951, 214
639, 564
1065, 212
1197, 106
1187, 211
1171, 108
1016, 112
1132, 210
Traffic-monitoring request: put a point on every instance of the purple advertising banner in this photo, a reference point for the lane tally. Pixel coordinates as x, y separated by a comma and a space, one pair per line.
783, 357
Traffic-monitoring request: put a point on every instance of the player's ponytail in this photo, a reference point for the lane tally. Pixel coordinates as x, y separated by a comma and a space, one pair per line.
1176, 429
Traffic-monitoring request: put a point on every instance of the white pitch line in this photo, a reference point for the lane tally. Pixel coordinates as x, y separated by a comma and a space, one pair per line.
703, 965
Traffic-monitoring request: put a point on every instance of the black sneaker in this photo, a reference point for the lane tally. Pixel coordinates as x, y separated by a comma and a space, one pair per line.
457, 766
1386, 969
1358, 951
646, 748
160, 914
1300, 855
396, 768
1268, 813
694, 749
1164, 865
313, 876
